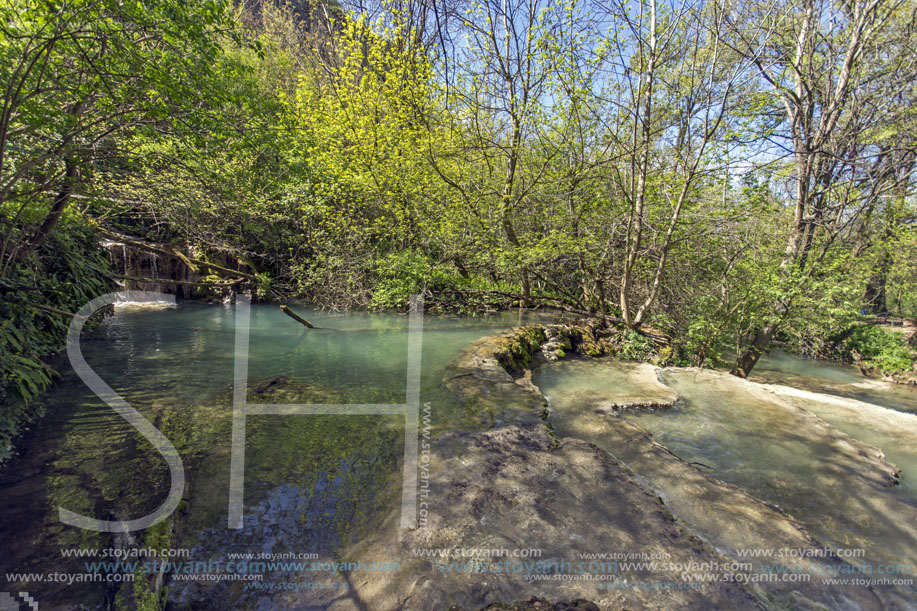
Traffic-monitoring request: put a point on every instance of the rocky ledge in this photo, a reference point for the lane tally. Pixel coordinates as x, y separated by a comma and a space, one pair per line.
511, 484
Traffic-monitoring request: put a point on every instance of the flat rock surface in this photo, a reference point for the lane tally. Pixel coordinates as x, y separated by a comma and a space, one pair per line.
507, 489
601, 485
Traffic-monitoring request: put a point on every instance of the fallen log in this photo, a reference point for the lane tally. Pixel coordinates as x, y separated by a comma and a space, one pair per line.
194, 264
296, 316
228, 282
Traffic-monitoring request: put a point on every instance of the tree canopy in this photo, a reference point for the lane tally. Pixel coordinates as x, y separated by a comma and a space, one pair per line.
728, 172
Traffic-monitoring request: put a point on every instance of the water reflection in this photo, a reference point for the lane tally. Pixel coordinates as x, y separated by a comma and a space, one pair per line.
779, 367
175, 366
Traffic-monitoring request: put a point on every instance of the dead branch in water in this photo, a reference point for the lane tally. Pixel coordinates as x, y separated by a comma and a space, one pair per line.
286, 310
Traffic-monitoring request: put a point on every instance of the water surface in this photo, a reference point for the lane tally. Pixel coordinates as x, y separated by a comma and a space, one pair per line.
743, 434
313, 484
780, 367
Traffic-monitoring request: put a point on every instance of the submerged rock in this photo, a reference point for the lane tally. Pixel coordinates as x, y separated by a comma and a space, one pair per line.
632, 385
507, 489
518, 485
479, 378
729, 517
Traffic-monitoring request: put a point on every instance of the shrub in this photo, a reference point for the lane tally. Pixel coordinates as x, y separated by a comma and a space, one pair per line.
70, 269
880, 348
632, 346
403, 274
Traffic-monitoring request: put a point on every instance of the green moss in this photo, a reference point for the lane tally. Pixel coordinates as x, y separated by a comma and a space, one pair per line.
555, 441
665, 356
141, 594
144, 596
520, 347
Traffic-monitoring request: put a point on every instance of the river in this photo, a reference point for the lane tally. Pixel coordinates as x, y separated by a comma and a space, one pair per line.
314, 484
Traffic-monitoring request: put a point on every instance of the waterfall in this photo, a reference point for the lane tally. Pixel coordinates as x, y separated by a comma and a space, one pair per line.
153, 260
157, 273
135, 263
117, 254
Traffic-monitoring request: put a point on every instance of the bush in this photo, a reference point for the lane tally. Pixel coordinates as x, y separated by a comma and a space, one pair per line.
880, 348
403, 274
632, 346
70, 269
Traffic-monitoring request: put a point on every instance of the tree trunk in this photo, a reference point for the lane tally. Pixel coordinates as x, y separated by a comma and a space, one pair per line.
749, 358
60, 204
761, 342
874, 297
638, 196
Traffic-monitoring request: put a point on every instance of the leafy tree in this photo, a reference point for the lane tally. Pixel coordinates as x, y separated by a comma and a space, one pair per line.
833, 86
78, 76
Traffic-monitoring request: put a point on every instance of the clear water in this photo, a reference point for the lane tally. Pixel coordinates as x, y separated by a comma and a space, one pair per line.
892, 431
315, 483
863, 417
779, 367
311, 482
575, 380
742, 434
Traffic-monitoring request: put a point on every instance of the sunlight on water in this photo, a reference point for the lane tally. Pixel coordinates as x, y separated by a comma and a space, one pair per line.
312, 483
742, 434
892, 431
779, 367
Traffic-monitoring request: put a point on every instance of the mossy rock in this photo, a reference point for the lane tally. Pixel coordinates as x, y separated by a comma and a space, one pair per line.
518, 349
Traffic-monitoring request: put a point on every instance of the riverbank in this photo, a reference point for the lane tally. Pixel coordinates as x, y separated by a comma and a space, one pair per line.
518, 480
500, 466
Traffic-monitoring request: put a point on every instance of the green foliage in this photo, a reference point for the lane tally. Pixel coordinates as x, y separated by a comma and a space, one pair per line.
702, 342
633, 346
263, 287
900, 284
665, 356
881, 348
78, 72
156, 537
403, 274
65, 273
344, 160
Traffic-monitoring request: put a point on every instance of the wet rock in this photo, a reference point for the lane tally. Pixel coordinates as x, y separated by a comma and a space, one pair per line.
899, 377
847, 484
507, 489
481, 382
283, 389
557, 345
540, 604
510, 485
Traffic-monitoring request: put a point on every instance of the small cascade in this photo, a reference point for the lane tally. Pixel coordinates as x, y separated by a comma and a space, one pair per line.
134, 263
143, 270
154, 268
117, 254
